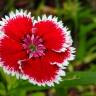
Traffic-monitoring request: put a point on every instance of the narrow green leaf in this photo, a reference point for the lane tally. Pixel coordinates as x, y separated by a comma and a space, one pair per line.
72, 79
91, 42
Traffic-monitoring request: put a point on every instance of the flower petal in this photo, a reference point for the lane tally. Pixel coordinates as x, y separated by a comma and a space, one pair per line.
17, 25
10, 53
39, 71
55, 36
62, 59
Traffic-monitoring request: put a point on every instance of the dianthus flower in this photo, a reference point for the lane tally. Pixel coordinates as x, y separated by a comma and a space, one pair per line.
37, 50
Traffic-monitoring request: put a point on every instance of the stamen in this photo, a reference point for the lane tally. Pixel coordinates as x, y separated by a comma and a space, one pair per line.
34, 46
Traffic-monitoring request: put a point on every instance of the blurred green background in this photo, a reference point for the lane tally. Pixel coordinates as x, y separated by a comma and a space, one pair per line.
80, 17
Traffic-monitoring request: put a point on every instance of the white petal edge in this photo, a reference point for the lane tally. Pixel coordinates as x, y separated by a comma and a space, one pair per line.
13, 15
2, 35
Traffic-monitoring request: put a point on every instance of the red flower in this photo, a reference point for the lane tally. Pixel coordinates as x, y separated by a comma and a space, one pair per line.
35, 50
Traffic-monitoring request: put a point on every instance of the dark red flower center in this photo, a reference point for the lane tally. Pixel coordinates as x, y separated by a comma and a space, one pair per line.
33, 45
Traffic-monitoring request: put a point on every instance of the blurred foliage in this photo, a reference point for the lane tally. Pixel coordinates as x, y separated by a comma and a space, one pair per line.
80, 16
